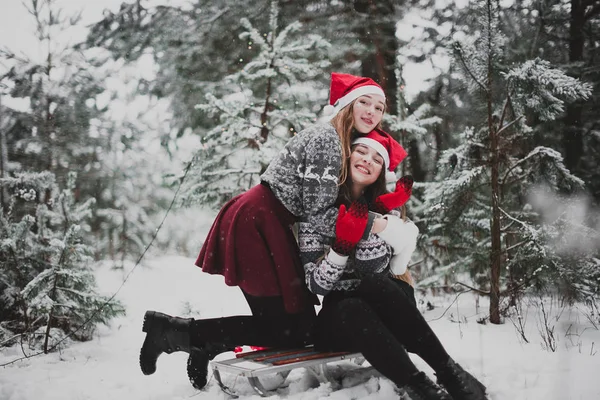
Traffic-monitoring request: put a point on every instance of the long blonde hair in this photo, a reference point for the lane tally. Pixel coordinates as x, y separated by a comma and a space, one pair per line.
343, 122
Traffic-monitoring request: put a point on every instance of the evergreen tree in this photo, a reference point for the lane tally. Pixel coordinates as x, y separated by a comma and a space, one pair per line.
47, 281
53, 132
197, 46
476, 211
66, 126
255, 123
412, 128
562, 32
133, 192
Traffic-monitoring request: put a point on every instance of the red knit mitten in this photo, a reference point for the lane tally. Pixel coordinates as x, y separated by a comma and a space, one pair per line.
350, 226
387, 202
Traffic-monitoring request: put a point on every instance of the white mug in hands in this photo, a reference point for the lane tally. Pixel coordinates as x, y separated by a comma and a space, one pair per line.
402, 237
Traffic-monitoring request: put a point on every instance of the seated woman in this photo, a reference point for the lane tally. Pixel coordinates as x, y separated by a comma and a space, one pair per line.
365, 309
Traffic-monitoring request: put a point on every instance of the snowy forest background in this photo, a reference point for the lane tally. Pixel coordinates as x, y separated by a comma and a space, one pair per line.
503, 140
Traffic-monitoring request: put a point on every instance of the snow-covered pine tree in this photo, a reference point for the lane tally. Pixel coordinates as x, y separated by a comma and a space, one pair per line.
412, 129
48, 287
64, 124
51, 131
479, 220
271, 99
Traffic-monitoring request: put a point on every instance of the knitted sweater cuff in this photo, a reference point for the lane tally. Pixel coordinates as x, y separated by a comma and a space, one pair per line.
336, 259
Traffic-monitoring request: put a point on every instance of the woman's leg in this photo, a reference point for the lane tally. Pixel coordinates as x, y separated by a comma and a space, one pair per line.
350, 324
268, 326
401, 316
403, 319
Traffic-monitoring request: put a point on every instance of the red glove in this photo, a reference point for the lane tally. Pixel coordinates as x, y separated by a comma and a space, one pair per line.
387, 202
350, 226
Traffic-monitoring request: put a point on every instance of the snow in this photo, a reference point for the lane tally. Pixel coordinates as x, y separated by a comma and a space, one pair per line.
107, 366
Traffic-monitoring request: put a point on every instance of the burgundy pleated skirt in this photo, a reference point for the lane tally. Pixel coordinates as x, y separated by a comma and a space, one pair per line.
252, 244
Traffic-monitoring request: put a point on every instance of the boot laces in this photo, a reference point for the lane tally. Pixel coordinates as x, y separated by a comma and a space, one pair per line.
420, 387
459, 381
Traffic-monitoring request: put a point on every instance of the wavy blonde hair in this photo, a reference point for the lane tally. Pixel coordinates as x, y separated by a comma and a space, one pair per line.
343, 122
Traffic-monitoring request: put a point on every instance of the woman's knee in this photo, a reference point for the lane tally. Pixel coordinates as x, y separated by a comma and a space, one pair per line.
351, 315
344, 325
376, 285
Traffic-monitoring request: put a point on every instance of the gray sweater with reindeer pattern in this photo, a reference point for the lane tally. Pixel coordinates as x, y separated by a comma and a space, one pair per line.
305, 174
326, 271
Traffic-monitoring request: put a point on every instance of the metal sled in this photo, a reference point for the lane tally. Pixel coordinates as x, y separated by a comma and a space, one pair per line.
255, 364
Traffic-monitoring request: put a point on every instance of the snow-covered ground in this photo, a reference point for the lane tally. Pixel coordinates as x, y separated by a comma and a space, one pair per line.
107, 367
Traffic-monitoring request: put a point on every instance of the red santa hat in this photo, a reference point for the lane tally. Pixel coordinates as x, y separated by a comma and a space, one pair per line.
388, 148
346, 88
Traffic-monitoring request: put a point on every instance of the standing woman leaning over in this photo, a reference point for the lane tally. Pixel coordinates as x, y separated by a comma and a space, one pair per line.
251, 242
366, 307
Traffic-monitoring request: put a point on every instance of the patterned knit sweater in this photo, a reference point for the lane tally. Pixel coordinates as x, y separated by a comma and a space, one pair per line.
305, 175
326, 270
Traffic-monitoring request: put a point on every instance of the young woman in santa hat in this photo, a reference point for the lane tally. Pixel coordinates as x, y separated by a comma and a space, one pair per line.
369, 303
251, 242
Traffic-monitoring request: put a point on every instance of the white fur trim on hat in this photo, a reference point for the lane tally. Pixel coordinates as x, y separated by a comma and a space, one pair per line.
355, 94
378, 147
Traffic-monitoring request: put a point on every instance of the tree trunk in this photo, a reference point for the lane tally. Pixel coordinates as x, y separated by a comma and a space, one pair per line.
50, 315
416, 167
264, 117
572, 134
3, 160
495, 260
380, 33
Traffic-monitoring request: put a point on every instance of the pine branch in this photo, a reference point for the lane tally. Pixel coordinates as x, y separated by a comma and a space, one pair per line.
516, 245
515, 165
592, 12
471, 74
511, 123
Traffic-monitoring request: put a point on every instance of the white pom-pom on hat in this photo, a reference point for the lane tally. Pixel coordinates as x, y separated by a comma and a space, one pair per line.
328, 109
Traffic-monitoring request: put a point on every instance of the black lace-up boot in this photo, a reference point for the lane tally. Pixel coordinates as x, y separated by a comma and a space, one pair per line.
164, 334
197, 364
420, 387
459, 383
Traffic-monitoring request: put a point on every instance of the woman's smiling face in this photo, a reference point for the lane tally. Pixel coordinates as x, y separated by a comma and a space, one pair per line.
366, 165
367, 112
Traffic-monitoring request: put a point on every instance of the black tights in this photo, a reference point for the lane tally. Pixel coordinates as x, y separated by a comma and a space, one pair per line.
382, 322
268, 326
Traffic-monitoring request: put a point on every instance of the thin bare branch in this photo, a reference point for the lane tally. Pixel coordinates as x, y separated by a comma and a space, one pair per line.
471, 74
511, 123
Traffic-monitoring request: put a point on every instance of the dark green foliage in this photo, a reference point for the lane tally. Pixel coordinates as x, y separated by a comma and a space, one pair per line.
46, 280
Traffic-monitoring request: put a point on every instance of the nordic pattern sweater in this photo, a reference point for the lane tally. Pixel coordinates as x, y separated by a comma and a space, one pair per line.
327, 271
305, 174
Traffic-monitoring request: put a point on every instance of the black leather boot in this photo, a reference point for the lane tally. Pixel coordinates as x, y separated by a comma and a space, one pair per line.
420, 387
197, 365
164, 334
459, 383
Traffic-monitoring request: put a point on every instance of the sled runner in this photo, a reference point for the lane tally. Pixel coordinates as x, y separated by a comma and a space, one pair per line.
256, 364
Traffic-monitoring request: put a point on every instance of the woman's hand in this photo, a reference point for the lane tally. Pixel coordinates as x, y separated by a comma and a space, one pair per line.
350, 226
387, 202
